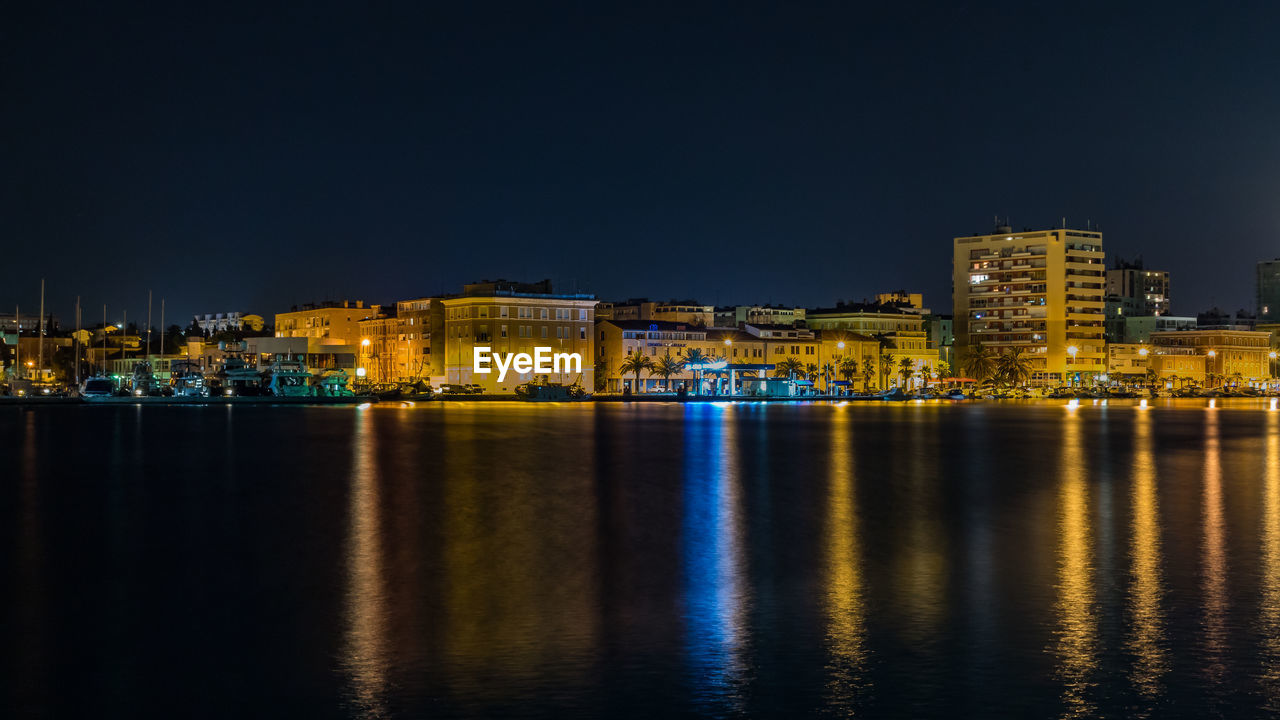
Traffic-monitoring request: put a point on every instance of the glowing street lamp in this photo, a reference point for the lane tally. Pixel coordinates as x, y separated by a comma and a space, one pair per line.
1142, 352
841, 346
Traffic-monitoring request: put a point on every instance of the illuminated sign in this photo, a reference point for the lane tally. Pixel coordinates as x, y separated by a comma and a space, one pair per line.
541, 361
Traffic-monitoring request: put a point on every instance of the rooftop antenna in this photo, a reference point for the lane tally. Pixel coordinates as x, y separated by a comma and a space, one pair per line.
1064, 222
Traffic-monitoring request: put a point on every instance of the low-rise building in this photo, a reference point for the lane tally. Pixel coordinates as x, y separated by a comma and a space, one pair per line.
1231, 357
333, 320
1128, 362
738, 315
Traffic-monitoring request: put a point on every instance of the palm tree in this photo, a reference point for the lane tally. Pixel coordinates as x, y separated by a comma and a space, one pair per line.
847, 366
828, 372
694, 356
979, 363
811, 372
1014, 367
905, 368
886, 368
666, 367
635, 362
789, 367
1153, 376
943, 369
868, 372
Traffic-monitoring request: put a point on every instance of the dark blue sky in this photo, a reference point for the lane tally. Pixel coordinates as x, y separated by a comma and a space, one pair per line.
250, 158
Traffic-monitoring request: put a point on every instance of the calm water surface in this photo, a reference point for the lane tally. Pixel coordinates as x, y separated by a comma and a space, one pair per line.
642, 560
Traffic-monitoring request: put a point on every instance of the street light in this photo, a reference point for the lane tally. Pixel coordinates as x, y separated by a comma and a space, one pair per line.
1072, 350
728, 341
841, 346
1142, 352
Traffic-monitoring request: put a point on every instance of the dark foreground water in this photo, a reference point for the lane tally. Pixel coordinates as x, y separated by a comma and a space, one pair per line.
641, 561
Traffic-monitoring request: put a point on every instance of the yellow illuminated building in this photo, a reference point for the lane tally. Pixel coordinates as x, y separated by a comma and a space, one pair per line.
1128, 362
1214, 357
1038, 291
337, 320
903, 335
511, 318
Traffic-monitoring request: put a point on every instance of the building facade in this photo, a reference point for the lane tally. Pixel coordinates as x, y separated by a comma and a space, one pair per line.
1147, 290
510, 318
1040, 291
1267, 288
1226, 357
336, 320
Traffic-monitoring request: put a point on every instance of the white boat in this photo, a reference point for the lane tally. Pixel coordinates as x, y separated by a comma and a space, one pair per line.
97, 387
289, 378
187, 380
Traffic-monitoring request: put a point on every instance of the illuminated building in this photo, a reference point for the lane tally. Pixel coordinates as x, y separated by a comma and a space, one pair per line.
336, 320
1268, 291
1041, 291
904, 300
1146, 290
901, 330
1127, 362
735, 316
509, 317
1214, 357
211, 323
751, 345
688, 312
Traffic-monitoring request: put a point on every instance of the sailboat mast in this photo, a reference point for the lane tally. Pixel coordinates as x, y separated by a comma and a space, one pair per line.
161, 326
40, 338
17, 344
148, 324
76, 346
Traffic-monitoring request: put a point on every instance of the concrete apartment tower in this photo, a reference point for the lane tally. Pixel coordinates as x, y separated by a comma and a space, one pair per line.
1145, 291
1041, 291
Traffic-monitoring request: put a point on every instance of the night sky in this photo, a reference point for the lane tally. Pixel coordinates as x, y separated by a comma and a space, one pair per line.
252, 158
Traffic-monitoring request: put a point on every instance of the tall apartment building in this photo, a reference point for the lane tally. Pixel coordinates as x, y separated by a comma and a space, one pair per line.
1145, 291
1041, 291
1268, 290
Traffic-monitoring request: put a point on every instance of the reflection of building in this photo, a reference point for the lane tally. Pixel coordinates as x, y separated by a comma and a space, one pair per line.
1268, 291
1039, 291
1146, 290
1224, 356
325, 320
509, 317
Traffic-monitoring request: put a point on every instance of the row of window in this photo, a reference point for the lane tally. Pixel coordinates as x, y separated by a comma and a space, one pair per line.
520, 312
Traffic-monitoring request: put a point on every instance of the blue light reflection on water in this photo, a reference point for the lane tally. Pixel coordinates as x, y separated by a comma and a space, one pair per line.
715, 583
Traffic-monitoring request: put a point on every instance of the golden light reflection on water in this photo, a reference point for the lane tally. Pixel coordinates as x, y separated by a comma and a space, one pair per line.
923, 569
1270, 610
1214, 563
1146, 640
520, 605
846, 615
366, 659
1077, 633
